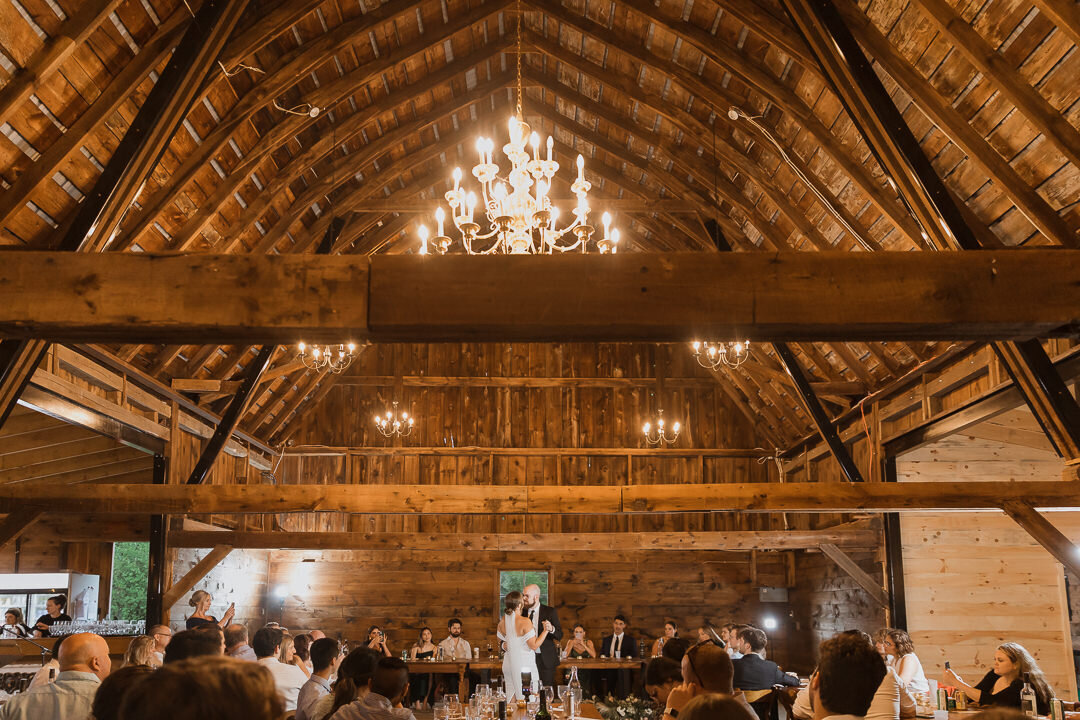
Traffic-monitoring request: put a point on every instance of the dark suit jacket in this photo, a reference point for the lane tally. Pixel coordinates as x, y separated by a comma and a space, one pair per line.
549, 649
629, 647
753, 672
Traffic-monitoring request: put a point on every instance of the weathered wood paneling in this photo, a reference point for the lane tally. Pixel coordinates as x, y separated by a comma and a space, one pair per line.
240, 578
344, 592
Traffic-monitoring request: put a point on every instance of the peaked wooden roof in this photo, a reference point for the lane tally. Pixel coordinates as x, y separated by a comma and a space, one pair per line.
642, 89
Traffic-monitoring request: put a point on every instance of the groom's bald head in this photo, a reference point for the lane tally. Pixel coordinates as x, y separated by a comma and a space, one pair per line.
531, 594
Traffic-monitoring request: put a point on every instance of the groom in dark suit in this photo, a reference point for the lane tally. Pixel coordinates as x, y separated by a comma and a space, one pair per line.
547, 655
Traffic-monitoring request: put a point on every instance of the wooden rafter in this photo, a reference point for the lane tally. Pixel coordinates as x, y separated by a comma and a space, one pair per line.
856, 573
1044, 533
16, 523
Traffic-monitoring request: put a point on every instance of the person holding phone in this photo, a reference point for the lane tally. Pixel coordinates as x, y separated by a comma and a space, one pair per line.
377, 641
201, 600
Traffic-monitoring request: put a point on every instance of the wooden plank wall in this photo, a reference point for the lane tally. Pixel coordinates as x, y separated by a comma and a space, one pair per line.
240, 578
826, 600
519, 417
344, 592
975, 580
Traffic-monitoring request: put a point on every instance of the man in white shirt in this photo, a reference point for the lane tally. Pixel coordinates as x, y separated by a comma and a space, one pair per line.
288, 678
325, 658
455, 647
891, 701
84, 663
849, 673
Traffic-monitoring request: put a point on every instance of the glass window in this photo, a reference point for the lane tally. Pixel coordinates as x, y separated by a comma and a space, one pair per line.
130, 568
511, 580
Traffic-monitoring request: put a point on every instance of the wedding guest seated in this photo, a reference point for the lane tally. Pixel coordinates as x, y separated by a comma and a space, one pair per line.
215, 632
84, 663
316, 635
287, 678
671, 631
236, 643
706, 668
675, 649
714, 706
423, 689
325, 658
140, 651
302, 648
113, 689
661, 676
162, 634
14, 625
377, 641
454, 646
206, 688
580, 646
891, 701
201, 601
51, 669
848, 675
287, 654
1002, 684
752, 670
190, 644
734, 644
353, 682
385, 700
618, 645
54, 613
898, 644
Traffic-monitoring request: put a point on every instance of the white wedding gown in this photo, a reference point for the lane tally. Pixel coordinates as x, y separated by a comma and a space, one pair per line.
519, 658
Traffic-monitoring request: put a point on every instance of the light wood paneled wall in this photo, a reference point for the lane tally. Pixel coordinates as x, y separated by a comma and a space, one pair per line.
975, 580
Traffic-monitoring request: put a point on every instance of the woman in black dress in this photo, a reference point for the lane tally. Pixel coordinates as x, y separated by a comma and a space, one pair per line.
1001, 686
54, 613
200, 600
422, 686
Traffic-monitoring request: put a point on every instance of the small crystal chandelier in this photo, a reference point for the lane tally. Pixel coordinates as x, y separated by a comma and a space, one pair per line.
712, 355
660, 434
394, 425
516, 214
326, 357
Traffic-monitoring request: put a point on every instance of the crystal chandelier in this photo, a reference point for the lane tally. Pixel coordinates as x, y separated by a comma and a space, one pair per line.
326, 357
516, 214
392, 424
711, 355
660, 434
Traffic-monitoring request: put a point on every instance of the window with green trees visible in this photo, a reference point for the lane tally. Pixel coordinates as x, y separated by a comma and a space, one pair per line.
511, 580
130, 567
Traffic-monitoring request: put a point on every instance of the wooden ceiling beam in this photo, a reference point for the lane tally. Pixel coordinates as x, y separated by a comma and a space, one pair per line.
284, 426
19, 359
48, 58
541, 499
1052, 123
631, 297
275, 83
732, 541
16, 523
115, 94
1043, 531
721, 98
938, 110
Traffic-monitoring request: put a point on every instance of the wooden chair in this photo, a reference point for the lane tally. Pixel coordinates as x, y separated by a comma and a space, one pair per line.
763, 702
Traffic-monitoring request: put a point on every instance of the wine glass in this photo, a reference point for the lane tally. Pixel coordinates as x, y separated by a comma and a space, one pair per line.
549, 695
441, 712
453, 704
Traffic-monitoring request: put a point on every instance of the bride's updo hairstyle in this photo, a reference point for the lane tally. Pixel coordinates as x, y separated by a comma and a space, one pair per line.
512, 603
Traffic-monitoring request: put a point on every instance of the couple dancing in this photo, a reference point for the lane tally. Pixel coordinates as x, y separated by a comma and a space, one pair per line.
530, 633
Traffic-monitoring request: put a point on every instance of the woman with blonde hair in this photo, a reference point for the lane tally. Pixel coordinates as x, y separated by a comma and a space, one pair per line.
200, 600
141, 652
1001, 686
287, 654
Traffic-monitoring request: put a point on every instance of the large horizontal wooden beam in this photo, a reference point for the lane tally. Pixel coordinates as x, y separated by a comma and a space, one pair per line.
196, 299
480, 451
850, 535
518, 499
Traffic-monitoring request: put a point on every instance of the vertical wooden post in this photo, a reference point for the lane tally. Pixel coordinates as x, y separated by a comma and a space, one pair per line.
894, 556
159, 531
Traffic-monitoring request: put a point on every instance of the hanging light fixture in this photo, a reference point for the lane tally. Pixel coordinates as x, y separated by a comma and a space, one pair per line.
659, 433
515, 213
326, 357
711, 355
394, 425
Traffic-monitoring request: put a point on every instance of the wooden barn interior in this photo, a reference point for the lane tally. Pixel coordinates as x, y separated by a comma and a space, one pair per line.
188, 190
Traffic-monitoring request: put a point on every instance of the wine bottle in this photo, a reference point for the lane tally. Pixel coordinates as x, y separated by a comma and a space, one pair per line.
502, 710
1027, 698
543, 713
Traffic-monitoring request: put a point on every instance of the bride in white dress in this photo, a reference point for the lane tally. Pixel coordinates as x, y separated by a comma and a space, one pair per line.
521, 642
